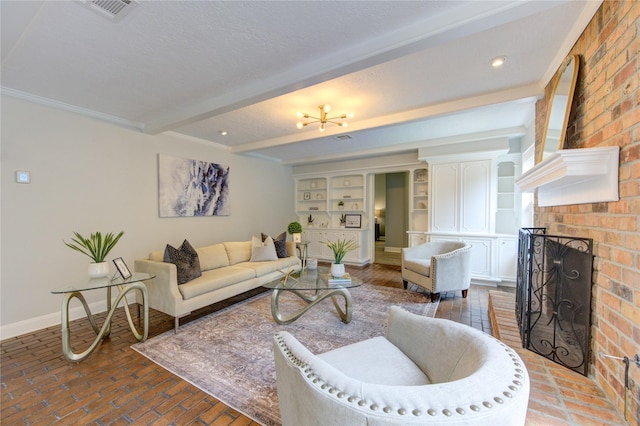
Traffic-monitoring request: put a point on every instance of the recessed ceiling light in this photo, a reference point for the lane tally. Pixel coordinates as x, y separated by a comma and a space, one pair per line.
223, 132
498, 61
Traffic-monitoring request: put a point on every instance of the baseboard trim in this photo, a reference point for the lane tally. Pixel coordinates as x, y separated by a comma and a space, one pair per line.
19, 328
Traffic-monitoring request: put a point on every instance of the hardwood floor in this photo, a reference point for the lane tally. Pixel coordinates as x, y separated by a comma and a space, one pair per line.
116, 385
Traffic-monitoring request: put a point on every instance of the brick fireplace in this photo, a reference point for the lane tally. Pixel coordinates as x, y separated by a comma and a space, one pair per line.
606, 112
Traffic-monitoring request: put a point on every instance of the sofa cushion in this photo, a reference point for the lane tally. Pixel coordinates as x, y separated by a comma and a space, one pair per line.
420, 266
384, 364
157, 255
212, 257
280, 242
238, 251
263, 251
186, 260
215, 279
264, 268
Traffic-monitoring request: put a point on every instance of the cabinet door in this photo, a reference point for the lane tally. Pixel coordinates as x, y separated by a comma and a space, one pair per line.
354, 255
475, 179
508, 258
480, 257
444, 196
331, 235
315, 238
415, 238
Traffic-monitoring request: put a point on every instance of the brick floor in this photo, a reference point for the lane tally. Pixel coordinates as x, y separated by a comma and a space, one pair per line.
116, 385
559, 396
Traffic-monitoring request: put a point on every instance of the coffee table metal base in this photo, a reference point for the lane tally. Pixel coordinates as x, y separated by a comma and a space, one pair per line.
318, 297
104, 332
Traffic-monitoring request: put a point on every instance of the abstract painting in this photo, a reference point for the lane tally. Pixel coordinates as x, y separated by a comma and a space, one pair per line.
192, 188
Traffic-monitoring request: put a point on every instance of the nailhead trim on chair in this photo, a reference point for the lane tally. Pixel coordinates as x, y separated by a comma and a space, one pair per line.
402, 411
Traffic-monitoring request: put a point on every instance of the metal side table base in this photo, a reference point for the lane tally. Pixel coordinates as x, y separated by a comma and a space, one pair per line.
104, 332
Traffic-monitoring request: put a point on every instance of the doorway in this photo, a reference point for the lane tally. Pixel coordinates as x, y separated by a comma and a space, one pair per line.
391, 216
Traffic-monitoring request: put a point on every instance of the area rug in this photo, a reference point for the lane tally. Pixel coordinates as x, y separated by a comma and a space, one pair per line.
228, 354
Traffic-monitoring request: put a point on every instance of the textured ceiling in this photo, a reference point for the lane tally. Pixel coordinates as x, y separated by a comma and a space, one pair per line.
411, 72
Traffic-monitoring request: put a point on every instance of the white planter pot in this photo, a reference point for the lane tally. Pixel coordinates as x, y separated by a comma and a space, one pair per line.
98, 270
337, 269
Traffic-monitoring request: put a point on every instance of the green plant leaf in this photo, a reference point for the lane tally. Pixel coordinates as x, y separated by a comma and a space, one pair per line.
95, 247
340, 248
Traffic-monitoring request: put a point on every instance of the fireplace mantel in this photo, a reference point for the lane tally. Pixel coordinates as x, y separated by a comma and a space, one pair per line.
574, 176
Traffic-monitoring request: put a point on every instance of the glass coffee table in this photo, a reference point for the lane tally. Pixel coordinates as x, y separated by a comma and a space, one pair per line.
72, 290
313, 287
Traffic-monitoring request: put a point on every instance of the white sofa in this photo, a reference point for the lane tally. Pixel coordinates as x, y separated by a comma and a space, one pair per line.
425, 371
226, 271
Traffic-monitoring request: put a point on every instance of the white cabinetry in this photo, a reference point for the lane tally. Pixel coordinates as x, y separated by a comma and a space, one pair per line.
416, 238
419, 208
311, 199
508, 248
461, 197
318, 250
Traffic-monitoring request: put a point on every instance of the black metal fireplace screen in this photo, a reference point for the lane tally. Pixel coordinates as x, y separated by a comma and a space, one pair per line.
553, 296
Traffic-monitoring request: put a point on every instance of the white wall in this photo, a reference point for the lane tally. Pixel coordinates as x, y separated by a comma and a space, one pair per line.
87, 176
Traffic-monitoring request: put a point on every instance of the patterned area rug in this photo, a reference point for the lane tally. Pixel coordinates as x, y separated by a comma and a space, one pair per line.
228, 354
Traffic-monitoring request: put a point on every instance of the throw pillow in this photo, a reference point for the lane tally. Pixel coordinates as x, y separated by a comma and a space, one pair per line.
186, 260
281, 244
262, 252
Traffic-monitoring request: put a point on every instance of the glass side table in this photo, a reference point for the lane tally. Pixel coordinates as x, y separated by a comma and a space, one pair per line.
133, 283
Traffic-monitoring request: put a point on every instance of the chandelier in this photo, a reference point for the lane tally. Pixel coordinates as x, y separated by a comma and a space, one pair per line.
323, 119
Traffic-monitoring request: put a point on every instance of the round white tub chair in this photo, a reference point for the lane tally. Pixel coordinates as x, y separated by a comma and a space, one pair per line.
425, 371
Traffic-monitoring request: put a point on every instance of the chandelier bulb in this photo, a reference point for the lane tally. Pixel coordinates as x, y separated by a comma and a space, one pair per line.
299, 124
321, 128
344, 124
326, 108
300, 115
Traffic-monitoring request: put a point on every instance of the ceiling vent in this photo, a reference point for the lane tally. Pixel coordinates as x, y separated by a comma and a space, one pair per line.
115, 10
343, 137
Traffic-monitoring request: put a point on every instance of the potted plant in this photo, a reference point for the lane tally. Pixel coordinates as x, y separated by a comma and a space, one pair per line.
295, 230
343, 219
310, 220
96, 247
340, 205
340, 248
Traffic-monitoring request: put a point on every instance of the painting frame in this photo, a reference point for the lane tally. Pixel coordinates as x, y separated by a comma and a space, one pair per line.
188, 188
353, 221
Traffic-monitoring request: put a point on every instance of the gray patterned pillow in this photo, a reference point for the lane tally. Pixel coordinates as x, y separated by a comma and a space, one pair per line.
186, 260
280, 242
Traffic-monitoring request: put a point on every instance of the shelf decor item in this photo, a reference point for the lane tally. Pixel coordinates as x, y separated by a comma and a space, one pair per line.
96, 248
310, 220
340, 205
353, 221
343, 219
295, 230
340, 248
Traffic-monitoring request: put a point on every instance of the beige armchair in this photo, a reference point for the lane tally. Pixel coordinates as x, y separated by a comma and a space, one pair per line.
438, 266
425, 371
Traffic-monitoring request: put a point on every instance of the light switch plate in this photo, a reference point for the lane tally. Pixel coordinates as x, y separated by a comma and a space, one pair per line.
23, 176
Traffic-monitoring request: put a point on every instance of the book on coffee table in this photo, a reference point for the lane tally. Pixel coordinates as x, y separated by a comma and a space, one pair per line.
346, 278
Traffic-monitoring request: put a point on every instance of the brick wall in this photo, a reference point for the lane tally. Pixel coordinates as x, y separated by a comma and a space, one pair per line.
606, 112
